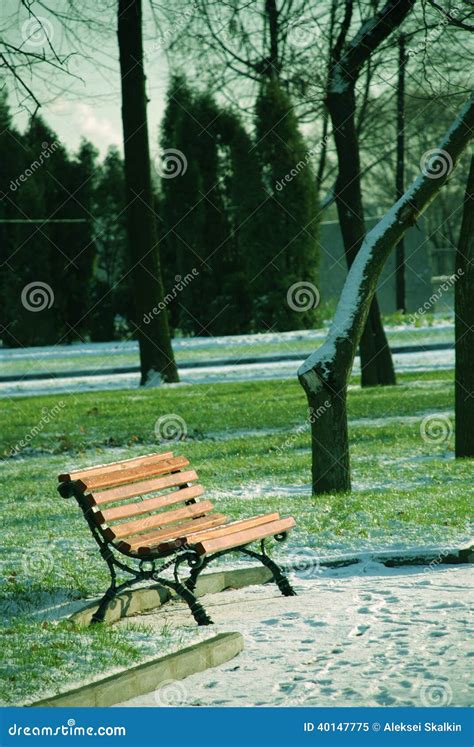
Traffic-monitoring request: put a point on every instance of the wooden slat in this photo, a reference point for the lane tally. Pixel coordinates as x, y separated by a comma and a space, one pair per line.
143, 487
145, 542
161, 519
150, 504
77, 474
114, 479
238, 539
234, 526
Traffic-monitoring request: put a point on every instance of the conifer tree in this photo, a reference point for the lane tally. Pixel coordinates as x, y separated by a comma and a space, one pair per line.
287, 216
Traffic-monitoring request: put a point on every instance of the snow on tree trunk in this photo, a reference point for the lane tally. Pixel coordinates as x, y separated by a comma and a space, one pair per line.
325, 373
348, 60
156, 354
464, 326
375, 357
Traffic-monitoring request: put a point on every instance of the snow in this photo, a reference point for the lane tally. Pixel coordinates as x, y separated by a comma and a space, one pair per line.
431, 360
363, 635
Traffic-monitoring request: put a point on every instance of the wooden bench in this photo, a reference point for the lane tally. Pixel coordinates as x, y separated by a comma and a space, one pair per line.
148, 509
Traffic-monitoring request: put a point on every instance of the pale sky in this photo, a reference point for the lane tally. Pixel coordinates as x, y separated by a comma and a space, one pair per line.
89, 104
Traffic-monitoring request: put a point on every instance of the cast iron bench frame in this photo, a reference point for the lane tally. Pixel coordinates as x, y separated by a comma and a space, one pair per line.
177, 550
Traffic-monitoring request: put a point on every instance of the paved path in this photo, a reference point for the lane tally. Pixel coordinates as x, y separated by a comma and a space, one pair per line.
378, 637
419, 361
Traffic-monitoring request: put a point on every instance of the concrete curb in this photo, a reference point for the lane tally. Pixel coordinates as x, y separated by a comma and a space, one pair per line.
137, 601
151, 675
418, 556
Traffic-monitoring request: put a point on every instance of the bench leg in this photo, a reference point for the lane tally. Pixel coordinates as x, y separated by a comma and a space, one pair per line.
99, 614
185, 591
191, 581
197, 610
279, 578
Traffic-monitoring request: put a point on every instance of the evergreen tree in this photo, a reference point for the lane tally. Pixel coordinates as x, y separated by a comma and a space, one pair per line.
287, 216
72, 184
111, 295
206, 213
28, 294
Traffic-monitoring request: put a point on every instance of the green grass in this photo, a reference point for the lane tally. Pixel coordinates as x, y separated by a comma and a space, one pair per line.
39, 658
56, 362
252, 454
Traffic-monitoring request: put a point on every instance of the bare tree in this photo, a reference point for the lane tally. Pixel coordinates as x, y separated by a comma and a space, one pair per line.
464, 326
156, 354
349, 56
324, 375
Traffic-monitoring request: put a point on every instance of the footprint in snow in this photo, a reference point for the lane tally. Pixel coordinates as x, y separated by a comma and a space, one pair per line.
358, 631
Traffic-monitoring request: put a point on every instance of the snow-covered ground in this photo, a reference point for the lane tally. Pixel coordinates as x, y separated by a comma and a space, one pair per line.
432, 360
367, 637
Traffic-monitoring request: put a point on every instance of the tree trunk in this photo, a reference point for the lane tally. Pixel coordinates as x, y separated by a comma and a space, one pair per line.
330, 438
375, 357
464, 326
400, 295
156, 354
326, 372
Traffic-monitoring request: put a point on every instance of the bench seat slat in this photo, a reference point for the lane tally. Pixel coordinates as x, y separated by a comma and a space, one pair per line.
142, 488
119, 489
77, 474
149, 504
145, 543
234, 526
238, 539
162, 519
124, 476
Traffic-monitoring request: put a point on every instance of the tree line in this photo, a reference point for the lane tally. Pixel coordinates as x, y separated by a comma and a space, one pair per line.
220, 218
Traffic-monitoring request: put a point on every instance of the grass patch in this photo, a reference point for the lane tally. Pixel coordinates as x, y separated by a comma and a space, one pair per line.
252, 453
47, 657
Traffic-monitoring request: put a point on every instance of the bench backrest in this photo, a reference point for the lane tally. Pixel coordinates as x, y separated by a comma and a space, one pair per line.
139, 503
